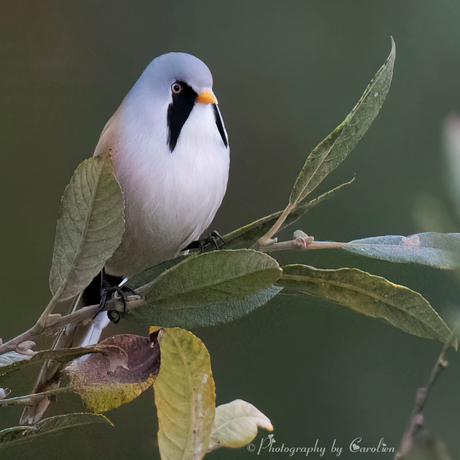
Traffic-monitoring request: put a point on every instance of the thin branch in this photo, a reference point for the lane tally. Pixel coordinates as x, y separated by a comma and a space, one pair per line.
63, 356
416, 420
301, 241
79, 316
267, 239
44, 317
29, 400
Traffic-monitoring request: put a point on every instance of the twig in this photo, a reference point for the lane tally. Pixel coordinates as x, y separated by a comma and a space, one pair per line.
44, 317
416, 420
268, 239
298, 243
63, 356
301, 241
84, 314
29, 400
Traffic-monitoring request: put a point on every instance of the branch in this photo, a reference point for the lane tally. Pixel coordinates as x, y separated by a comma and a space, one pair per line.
268, 239
301, 241
56, 322
47, 313
29, 400
416, 420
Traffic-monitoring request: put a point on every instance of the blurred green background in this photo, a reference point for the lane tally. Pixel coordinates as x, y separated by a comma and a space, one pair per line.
286, 73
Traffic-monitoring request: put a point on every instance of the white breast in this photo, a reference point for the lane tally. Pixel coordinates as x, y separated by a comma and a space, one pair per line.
170, 197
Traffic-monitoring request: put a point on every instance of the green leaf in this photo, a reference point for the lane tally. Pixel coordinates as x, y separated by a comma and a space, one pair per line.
13, 361
89, 229
235, 425
440, 250
51, 425
371, 295
147, 276
335, 148
208, 289
107, 381
184, 395
246, 236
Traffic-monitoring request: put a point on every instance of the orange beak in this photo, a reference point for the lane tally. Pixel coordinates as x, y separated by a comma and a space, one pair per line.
206, 97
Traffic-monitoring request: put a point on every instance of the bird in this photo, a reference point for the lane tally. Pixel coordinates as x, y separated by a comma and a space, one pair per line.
171, 157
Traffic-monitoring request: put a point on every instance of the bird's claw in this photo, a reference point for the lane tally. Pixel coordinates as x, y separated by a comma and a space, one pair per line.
107, 290
210, 243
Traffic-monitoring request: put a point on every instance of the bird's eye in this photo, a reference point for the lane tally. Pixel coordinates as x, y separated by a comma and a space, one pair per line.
176, 88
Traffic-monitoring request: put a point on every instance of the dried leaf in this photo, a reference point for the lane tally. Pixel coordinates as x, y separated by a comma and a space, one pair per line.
235, 425
105, 382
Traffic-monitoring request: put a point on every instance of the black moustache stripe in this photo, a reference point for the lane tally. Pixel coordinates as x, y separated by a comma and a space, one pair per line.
220, 125
178, 112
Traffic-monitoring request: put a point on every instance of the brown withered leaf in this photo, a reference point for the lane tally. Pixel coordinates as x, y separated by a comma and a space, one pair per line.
105, 382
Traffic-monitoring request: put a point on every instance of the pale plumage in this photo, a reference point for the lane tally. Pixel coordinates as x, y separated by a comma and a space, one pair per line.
171, 196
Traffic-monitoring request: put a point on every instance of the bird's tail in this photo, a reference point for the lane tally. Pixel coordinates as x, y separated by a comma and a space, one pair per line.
80, 335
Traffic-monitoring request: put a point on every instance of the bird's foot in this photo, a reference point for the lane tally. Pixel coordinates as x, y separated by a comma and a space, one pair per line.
210, 243
107, 291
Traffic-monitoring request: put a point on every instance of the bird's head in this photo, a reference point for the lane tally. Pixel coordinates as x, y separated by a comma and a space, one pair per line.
178, 81
185, 76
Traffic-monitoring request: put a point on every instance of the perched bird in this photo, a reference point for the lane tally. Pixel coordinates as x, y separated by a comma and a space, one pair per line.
171, 157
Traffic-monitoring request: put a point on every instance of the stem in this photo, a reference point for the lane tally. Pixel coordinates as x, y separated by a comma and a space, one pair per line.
46, 313
85, 313
267, 238
301, 244
416, 420
11, 345
28, 400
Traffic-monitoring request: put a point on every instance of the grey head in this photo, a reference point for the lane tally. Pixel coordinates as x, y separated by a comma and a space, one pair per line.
173, 84
164, 70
